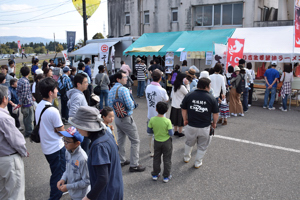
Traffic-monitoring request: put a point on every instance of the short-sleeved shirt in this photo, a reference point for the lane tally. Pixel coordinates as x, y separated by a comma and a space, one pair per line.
154, 94
141, 70
271, 74
104, 151
51, 142
199, 105
160, 127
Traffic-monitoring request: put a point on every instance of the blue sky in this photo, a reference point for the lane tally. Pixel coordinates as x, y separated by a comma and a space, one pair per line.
15, 16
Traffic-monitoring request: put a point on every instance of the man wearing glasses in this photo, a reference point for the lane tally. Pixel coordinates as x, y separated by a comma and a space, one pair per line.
126, 125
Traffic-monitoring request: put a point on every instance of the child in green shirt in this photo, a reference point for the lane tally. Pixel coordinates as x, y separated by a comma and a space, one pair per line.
161, 127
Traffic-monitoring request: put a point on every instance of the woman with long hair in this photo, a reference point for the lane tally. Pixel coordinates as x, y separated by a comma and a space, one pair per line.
178, 93
103, 81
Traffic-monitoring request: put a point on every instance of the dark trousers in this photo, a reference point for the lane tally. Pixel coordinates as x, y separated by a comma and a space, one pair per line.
250, 94
165, 149
57, 163
85, 145
245, 99
15, 116
64, 108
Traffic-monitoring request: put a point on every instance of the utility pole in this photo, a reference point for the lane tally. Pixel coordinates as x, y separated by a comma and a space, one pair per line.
84, 21
54, 43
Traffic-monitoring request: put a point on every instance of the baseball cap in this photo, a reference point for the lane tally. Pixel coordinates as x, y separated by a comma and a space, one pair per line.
72, 132
39, 71
66, 69
274, 63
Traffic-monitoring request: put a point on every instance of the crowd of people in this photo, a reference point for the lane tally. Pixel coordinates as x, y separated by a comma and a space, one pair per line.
86, 159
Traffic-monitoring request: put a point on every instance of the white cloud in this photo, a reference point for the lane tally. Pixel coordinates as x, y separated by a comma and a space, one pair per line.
14, 7
4, 28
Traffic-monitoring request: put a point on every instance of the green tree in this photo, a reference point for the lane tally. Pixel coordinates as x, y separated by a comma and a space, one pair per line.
98, 36
37, 50
59, 48
43, 49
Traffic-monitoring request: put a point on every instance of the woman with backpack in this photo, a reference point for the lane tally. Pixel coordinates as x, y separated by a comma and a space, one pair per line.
235, 105
103, 81
178, 93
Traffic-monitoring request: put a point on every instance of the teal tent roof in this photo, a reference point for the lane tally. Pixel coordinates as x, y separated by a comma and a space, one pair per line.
153, 39
189, 40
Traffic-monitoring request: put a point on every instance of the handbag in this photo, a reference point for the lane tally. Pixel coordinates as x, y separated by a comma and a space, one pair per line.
35, 135
279, 85
97, 89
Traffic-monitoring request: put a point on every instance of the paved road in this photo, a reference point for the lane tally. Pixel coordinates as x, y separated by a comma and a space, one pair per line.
28, 59
232, 169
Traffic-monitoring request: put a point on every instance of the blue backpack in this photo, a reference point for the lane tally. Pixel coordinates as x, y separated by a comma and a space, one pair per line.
119, 106
173, 78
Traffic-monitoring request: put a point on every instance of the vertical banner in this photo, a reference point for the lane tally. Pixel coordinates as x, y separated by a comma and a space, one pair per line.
19, 44
209, 58
65, 54
169, 62
220, 54
235, 51
297, 24
71, 36
112, 59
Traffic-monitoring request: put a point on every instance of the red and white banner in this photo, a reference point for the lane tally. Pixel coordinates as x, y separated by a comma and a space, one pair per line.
281, 58
103, 55
234, 51
65, 54
297, 24
19, 44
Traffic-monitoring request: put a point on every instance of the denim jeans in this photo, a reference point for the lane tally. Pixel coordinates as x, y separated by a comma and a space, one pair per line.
273, 93
284, 102
141, 88
57, 163
245, 99
64, 108
103, 95
27, 120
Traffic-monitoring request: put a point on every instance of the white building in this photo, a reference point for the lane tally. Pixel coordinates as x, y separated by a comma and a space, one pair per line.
135, 17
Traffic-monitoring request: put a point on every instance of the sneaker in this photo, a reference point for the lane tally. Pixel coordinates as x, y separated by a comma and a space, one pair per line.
284, 110
273, 108
167, 179
280, 108
176, 133
127, 162
235, 115
21, 129
232, 114
241, 114
151, 154
155, 177
220, 121
181, 134
264, 107
249, 105
139, 168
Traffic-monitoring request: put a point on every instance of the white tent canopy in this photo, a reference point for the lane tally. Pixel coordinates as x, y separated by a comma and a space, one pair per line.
267, 40
91, 49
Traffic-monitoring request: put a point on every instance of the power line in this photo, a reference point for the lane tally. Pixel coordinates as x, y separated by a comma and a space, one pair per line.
30, 19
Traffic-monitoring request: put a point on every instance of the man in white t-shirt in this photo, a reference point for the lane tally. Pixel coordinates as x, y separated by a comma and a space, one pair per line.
51, 140
154, 94
248, 80
218, 82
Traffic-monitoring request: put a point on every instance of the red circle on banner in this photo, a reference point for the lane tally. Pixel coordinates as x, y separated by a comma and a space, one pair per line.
104, 48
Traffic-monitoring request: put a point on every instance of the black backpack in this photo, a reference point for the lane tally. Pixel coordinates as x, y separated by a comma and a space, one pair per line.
241, 86
62, 89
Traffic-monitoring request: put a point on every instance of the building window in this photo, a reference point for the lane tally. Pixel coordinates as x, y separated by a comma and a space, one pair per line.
127, 19
219, 15
146, 17
174, 15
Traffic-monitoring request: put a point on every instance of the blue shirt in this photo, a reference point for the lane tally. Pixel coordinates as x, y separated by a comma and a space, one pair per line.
123, 94
88, 71
104, 151
33, 68
271, 74
13, 95
66, 81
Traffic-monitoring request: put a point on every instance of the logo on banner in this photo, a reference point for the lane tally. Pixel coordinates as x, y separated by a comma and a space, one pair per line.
104, 48
19, 44
235, 51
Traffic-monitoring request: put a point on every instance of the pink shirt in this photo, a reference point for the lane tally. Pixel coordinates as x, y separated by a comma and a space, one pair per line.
126, 68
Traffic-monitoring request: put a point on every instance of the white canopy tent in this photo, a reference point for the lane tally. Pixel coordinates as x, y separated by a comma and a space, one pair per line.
91, 49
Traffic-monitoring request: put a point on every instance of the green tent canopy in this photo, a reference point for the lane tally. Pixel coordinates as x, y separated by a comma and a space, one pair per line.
173, 41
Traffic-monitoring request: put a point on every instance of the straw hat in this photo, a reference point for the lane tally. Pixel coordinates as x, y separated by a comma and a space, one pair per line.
236, 68
191, 73
88, 119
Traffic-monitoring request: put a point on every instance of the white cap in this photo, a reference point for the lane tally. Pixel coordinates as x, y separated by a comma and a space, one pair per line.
274, 63
39, 71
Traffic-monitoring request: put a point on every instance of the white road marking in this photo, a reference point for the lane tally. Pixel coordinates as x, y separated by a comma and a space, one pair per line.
257, 143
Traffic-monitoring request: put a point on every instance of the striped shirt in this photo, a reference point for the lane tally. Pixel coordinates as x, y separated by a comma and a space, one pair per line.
141, 70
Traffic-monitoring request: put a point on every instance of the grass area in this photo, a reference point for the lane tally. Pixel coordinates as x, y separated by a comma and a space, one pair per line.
20, 65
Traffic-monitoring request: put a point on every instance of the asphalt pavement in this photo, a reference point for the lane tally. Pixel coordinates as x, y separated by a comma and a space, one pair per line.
253, 157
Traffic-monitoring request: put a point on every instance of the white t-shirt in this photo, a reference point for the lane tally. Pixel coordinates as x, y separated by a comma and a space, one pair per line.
154, 94
178, 96
288, 77
217, 82
10, 70
249, 78
50, 140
